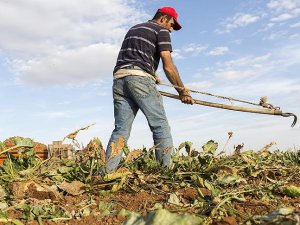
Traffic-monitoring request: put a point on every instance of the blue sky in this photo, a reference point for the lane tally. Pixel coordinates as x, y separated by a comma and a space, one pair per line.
57, 57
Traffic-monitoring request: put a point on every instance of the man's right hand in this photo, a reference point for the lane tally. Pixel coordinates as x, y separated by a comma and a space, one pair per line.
186, 98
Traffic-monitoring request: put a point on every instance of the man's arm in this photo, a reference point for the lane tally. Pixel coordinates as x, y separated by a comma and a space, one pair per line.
173, 76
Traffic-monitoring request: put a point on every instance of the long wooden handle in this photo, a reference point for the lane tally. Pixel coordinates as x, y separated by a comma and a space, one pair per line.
229, 107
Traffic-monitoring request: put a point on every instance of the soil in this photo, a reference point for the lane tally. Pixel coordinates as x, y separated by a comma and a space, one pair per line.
142, 201
32, 192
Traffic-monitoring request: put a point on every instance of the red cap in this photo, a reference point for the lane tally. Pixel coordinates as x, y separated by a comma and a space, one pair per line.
172, 12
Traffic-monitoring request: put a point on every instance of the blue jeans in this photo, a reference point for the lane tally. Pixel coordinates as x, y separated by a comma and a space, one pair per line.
130, 94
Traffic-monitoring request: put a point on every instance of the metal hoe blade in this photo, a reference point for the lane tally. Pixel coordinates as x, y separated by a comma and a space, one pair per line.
288, 115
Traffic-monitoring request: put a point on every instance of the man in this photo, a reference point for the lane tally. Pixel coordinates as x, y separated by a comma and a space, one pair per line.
134, 84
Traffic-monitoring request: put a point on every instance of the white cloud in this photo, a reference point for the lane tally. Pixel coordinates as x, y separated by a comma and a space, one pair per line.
295, 25
177, 54
244, 67
234, 74
246, 61
64, 103
73, 66
288, 56
284, 85
219, 51
283, 5
274, 35
283, 10
294, 36
194, 49
191, 49
238, 20
199, 85
282, 17
64, 37
279, 60
55, 115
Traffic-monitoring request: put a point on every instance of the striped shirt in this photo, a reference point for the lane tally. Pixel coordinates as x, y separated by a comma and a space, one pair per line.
142, 46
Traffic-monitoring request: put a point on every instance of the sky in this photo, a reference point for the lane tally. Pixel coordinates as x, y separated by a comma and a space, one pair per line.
57, 58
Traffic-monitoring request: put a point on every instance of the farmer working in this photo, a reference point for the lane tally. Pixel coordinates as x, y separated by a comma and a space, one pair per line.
134, 85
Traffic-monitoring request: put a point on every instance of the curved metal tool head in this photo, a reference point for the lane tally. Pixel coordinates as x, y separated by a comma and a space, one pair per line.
291, 114
295, 120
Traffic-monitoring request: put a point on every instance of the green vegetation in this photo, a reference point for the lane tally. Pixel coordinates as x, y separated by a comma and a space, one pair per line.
200, 187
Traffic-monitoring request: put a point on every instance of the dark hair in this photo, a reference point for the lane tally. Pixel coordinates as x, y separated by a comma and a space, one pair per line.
158, 15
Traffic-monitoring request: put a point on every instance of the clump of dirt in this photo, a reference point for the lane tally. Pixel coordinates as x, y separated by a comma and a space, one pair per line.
228, 220
140, 201
188, 193
255, 207
30, 189
33, 192
87, 220
294, 202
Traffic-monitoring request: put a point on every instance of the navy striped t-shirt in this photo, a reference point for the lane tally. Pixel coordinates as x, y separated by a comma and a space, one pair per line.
142, 46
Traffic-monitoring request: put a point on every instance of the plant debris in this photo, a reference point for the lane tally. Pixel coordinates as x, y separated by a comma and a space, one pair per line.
200, 187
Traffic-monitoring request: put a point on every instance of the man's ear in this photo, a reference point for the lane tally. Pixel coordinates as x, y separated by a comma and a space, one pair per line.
162, 19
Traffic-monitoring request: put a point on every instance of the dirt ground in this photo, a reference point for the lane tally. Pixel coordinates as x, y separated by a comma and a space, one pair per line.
144, 191
141, 202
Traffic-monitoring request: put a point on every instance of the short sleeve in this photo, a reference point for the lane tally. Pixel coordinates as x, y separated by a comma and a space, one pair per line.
164, 40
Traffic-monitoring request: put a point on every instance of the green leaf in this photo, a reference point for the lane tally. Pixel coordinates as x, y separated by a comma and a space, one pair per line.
229, 179
187, 145
126, 150
64, 169
119, 185
164, 217
115, 175
104, 192
292, 191
24, 142
210, 147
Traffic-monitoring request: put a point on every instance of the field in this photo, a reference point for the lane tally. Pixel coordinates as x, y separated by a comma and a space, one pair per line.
200, 187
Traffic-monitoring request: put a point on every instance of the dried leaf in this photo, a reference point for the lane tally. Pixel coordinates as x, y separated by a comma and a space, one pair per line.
2, 192
228, 169
73, 135
13, 221
173, 199
93, 149
116, 148
73, 188
133, 155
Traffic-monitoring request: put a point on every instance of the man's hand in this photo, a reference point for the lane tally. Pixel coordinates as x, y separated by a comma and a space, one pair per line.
186, 98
